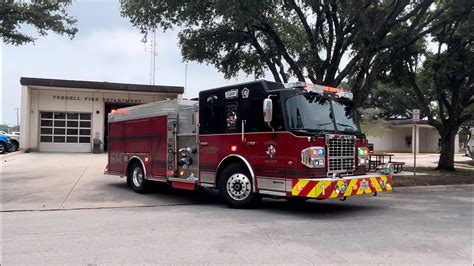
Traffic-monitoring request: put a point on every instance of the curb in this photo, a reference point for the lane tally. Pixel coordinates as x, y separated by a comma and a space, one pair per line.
434, 188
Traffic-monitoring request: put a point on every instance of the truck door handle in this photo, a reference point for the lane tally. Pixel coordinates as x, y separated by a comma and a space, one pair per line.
251, 143
203, 143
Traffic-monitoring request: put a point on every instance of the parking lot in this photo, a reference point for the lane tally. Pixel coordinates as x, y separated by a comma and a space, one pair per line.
61, 209
45, 181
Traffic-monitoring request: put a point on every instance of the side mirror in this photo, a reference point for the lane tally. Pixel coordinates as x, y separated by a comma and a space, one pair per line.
267, 110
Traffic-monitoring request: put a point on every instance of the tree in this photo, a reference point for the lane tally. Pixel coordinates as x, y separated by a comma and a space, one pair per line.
393, 100
311, 39
43, 15
439, 81
290, 38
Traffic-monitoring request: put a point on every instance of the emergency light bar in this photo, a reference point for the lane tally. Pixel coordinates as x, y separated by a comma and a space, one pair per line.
320, 89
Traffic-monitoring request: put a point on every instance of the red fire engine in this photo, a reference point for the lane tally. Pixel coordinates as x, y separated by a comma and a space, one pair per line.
248, 140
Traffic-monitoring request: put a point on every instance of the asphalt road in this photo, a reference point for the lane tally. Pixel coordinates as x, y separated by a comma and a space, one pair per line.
59, 209
406, 227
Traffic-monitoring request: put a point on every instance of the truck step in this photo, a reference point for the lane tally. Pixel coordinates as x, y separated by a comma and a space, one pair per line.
183, 185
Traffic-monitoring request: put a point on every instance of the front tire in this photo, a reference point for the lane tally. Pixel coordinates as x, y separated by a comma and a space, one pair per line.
15, 145
235, 187
136, 178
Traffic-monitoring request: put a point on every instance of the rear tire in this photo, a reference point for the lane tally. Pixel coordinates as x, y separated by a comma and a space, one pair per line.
3, 148
235, 187
136, 178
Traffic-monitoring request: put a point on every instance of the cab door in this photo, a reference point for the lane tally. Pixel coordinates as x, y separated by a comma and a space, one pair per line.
264, 146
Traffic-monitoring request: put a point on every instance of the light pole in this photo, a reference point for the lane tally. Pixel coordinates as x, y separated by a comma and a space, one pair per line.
185, 78
17, 116
154, 57
152, 51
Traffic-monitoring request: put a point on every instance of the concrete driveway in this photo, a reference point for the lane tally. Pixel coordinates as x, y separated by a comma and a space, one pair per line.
46, 181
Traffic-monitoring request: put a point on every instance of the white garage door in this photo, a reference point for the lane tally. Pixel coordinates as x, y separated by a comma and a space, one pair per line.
65, 132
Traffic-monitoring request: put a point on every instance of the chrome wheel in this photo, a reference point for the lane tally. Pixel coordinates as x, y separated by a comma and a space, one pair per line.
239, 186
137, 177
15, 146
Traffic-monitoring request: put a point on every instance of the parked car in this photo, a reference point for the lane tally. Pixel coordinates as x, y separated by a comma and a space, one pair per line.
15, 139
470, 144
5, 144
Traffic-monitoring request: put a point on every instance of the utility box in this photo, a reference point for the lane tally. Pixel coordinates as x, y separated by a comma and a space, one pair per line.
96, 146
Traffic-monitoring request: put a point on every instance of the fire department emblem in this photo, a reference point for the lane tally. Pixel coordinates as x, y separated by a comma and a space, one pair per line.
343, 188
245, 93
231, 120
270, 151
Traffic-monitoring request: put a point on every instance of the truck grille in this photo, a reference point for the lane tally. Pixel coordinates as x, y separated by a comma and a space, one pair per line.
341, 153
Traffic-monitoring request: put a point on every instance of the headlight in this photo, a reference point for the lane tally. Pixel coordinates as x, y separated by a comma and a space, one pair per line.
313, 157
363, 155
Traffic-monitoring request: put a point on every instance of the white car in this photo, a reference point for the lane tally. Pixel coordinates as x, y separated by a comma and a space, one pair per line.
15, 139
470, 144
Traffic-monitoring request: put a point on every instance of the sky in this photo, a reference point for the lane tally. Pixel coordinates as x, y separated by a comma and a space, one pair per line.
106, 48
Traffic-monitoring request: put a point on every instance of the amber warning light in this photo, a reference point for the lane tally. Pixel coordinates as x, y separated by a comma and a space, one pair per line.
118, 111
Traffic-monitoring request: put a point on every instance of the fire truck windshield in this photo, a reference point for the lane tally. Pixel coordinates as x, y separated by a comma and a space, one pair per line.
317, 113
345, 115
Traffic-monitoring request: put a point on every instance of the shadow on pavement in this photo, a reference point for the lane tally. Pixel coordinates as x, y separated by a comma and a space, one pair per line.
330, 209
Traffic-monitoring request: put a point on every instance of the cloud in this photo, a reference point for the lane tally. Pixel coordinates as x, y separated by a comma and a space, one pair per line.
113, 42
103, 55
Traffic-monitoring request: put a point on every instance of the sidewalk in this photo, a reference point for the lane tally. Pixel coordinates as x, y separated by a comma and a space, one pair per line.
427, 159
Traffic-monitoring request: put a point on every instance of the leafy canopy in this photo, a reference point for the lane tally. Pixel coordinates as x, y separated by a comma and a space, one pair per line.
44, 15
323, 41
438, 81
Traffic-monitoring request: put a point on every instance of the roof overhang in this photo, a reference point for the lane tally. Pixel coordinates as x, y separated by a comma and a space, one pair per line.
82, 84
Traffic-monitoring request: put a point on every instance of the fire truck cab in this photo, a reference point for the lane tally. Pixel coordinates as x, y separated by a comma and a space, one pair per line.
261, 138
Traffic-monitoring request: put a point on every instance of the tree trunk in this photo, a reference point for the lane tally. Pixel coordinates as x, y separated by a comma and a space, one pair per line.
446, 159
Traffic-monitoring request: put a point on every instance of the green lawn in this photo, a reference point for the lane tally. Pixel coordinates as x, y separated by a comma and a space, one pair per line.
430, 177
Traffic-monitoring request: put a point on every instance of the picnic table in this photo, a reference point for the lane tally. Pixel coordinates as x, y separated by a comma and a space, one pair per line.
378, 158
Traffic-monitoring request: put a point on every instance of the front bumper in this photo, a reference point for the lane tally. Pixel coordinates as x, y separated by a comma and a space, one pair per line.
329, 188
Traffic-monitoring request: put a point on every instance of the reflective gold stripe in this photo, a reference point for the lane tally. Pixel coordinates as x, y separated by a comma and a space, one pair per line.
295, 191
359, 189
350, 186
387, 185
319, 189
362, 191
312, 193
334, 194
376, 184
